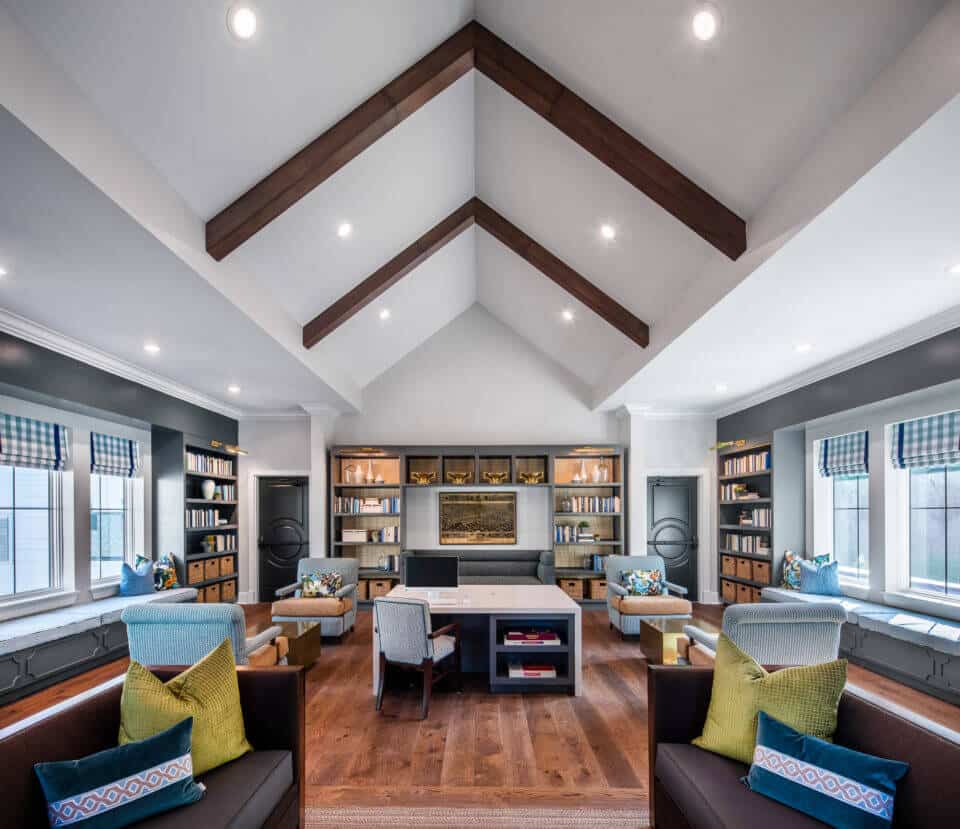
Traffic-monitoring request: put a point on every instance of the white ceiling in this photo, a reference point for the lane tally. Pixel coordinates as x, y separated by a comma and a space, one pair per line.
213, 116
874, 263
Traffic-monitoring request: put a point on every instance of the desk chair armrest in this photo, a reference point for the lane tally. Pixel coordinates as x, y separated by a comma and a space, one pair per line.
453, 627
676, 588
263, 638
286, 591
347, 590
616, 589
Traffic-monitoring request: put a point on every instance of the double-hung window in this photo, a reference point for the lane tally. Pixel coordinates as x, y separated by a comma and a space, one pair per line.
842, 498
116, 504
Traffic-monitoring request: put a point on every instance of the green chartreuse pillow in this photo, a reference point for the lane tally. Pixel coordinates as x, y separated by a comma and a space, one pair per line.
804, 698
208, 692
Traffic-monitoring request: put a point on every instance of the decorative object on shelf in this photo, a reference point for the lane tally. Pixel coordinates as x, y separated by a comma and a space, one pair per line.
378, 479
370, 477
583, 534
566, 504
583, 471
605, 474
348, 473
208, 489
478, 518
423, 478
597, 474
458, 478
531, 477
495, 477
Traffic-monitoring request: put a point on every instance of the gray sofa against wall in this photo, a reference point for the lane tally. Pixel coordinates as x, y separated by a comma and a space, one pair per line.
479, 566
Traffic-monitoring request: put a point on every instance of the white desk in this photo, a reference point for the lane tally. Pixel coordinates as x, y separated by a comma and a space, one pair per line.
517, 601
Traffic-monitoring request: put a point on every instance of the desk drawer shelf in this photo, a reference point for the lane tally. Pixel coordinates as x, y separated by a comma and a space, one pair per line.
561, 657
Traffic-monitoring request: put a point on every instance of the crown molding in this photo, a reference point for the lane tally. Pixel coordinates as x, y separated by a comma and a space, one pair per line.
37, 334
906, 337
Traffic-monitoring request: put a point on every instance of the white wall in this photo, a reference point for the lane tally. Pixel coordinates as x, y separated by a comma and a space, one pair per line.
476, 382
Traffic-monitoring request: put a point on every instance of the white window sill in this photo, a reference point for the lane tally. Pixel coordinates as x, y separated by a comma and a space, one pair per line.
855, 590
919, 603
15, 608
104, 589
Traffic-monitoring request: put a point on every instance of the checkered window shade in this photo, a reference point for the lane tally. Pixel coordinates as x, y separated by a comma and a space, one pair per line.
111, 455
927, 441
32, 443
844, 455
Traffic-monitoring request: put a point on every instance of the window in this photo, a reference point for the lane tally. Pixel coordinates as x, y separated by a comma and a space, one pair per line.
112, 524
935, 529
31, 538
851, 526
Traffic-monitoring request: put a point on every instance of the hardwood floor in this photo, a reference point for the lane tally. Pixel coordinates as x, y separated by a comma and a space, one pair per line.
477, 749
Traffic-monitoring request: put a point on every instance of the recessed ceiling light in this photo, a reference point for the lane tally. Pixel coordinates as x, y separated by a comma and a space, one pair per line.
608, 232
953, 271
3, 271
705, 23
233, 388
385, 314
567, 314
803, 348
344, 230
242, 22
151, 348
720, 388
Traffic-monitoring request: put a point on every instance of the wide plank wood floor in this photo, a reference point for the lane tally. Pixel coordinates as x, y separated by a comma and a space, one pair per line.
478, 749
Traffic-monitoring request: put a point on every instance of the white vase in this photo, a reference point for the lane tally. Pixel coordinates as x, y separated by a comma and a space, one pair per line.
207, 488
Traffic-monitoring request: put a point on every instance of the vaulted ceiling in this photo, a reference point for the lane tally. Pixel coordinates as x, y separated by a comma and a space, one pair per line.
203, 118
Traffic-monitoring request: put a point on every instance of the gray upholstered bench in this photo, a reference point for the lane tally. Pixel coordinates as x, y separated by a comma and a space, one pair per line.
914, 648
38, 650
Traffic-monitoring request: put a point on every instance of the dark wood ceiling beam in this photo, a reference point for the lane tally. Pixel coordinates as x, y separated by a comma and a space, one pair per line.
343, 142
609, 143
390, 274
475, 211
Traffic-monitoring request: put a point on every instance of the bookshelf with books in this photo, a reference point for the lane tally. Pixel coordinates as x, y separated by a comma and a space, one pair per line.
760, 511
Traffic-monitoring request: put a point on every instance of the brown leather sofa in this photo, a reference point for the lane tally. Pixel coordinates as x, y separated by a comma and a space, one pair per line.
694, 788
263, 788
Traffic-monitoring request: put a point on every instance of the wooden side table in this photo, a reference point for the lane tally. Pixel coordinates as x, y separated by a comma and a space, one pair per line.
303, 642
659, 638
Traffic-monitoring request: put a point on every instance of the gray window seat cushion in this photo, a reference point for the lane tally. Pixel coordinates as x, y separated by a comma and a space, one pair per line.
30, 631
499, 580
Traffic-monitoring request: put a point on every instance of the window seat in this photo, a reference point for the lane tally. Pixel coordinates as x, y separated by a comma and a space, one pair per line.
915, 648
39, 650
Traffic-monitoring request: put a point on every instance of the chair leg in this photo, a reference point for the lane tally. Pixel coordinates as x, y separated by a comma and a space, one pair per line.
427, 688
459, 669
380, 684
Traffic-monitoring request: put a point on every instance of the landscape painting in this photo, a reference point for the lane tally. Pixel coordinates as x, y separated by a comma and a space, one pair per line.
478, 518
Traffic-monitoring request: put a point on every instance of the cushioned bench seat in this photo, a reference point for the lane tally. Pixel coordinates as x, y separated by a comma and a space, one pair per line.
499, 580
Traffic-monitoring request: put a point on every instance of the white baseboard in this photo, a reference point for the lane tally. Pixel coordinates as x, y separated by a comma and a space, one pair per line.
247, 598
709, 597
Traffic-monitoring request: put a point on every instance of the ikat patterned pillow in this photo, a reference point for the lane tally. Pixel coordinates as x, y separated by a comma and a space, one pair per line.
320, 585
643, 582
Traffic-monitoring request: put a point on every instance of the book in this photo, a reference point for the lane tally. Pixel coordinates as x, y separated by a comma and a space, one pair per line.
532, 672
531, 638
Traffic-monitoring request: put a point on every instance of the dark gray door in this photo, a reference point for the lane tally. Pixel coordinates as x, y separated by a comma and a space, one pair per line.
283, 535
672, 528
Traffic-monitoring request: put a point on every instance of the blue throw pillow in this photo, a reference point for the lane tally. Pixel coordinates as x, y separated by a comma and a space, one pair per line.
136, 582
824, 580
122, 785
837, 785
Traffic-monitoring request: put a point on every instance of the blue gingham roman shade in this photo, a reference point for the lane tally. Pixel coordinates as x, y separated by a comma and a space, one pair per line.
844, 455
111, 455
927, 441
32, 443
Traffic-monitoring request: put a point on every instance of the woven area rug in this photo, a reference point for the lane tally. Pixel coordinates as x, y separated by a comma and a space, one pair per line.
446, 818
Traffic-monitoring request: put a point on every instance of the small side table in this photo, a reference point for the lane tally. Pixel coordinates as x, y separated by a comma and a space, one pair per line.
659, 638
303, 642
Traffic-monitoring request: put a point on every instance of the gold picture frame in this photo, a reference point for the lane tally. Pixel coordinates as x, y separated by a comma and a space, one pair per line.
476, 518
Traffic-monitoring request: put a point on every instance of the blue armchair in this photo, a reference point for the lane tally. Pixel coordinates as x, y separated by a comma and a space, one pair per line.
337, 614
626, 611
182, 634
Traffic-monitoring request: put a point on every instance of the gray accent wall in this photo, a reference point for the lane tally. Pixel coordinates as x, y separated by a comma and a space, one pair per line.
928, 363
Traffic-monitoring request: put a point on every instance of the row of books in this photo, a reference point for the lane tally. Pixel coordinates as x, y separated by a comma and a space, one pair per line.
209, 464
222, 543
204, 518
755, 544
531, 638
737, 492
758, 517
366, 506
225, 492
745, 464
570, 534
384, 535
592, 503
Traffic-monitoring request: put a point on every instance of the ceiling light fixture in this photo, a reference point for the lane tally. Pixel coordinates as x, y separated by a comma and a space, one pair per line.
803, 348
608, 232
385, 314
720, 388
705, 23
233, 388
242, 22
567, 315
3, 271
151, 348
953, 271
344, 230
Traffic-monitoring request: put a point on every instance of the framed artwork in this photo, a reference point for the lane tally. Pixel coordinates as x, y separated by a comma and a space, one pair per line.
478, 518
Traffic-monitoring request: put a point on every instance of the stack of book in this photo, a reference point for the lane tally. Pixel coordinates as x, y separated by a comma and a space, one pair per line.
532, 672
384, 535
531, 638
221, 543
737, 492
592, 503
366, 506
208, 465
746, 544
758, 517
746, 464
204, 518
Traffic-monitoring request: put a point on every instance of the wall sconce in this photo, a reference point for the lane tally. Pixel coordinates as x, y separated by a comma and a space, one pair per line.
228, 447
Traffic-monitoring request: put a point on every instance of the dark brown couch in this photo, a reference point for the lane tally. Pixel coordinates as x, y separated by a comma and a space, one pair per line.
694, 788
264, 788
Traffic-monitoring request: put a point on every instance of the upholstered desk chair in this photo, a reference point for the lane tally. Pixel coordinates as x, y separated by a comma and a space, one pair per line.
774, 634
337, 614
626, 611
182, 634
406, 639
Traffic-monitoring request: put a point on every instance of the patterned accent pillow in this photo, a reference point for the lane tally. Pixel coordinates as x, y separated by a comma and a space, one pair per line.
165, 573
791, 568
837, 785
123, 785
320, 585
643, 582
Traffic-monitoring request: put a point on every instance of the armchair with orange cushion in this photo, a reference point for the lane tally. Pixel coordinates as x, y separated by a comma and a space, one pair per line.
335, 608
626, 610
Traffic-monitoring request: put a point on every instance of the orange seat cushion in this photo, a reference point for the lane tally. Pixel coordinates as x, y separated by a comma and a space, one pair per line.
263, 657
652, 605
309, 608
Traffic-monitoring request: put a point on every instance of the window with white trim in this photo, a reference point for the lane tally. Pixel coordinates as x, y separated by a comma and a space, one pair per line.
934, 511
112, 525
851, 526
